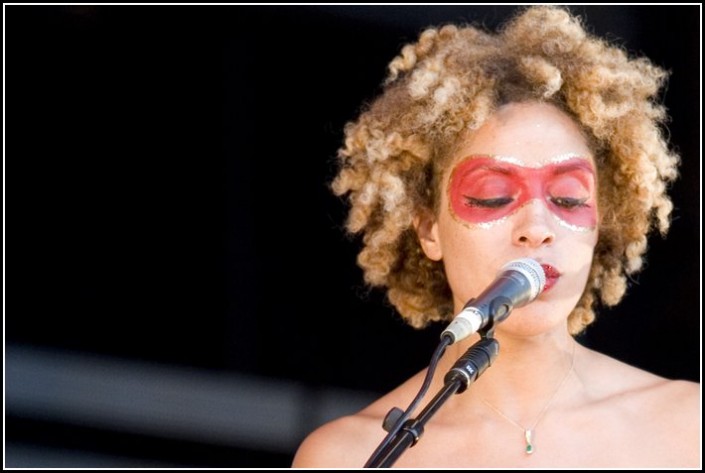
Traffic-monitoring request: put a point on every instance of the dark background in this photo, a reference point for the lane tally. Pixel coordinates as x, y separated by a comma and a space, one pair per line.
168, 205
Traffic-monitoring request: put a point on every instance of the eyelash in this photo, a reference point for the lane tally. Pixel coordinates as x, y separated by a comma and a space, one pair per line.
563, 202
488, 203
569, 202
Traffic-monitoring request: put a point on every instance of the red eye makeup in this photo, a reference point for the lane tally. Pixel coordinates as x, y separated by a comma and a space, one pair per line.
484, 190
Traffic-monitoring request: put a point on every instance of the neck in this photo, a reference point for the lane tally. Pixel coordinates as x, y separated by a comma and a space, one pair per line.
525, 377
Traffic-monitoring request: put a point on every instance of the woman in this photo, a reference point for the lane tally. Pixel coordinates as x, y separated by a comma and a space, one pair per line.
538, 142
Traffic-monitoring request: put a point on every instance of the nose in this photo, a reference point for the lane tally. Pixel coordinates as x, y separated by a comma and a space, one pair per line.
534, 226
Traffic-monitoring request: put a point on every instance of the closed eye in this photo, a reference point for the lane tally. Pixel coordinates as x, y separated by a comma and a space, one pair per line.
569, 202
494, 203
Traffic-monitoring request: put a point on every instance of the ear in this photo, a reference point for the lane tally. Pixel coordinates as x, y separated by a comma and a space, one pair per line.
426, 228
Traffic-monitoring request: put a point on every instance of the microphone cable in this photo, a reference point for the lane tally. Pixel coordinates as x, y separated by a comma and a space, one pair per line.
446, 340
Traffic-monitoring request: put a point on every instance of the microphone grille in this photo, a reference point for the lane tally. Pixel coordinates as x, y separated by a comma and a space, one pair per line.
533, 272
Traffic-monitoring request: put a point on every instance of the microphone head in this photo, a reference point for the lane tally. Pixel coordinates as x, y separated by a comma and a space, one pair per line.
533, 272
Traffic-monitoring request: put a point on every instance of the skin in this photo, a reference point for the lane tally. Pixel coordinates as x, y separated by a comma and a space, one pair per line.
484, 190
602, 413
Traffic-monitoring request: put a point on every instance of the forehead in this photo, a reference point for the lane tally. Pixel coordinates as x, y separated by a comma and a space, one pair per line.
533, 134
566, 164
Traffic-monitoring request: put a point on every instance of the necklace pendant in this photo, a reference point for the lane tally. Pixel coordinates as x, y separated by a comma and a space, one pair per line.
529, 445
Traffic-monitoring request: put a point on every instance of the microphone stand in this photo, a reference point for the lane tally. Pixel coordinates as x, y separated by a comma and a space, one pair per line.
463, 373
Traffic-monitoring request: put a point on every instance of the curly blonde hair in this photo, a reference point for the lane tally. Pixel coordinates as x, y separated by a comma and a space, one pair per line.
450, 81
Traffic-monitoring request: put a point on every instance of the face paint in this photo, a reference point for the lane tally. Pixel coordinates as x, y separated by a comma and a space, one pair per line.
484, 191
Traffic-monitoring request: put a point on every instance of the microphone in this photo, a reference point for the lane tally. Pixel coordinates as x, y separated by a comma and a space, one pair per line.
518, 283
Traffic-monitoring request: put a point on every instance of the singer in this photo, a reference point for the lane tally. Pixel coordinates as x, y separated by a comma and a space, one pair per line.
543, 142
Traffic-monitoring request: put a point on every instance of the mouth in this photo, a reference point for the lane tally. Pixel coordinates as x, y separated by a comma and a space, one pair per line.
552, 276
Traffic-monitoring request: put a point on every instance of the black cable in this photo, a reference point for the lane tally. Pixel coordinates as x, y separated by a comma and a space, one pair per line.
440, 349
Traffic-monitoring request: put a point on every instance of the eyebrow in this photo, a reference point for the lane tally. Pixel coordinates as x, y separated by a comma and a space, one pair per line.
582, 164
498, 168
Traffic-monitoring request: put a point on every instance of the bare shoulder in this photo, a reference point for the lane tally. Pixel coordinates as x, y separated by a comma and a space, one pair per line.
341, 443
349, 441
660, 413
622, 381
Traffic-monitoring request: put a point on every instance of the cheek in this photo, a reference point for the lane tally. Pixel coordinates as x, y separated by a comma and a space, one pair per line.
581, 263
470, 258
578, 219
578, 254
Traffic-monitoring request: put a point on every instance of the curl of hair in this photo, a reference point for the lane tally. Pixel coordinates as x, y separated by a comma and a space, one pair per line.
449, 82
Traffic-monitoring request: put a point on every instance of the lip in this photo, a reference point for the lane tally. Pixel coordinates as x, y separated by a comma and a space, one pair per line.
552, 276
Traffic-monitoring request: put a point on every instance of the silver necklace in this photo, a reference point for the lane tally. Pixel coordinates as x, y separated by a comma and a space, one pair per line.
529, 432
